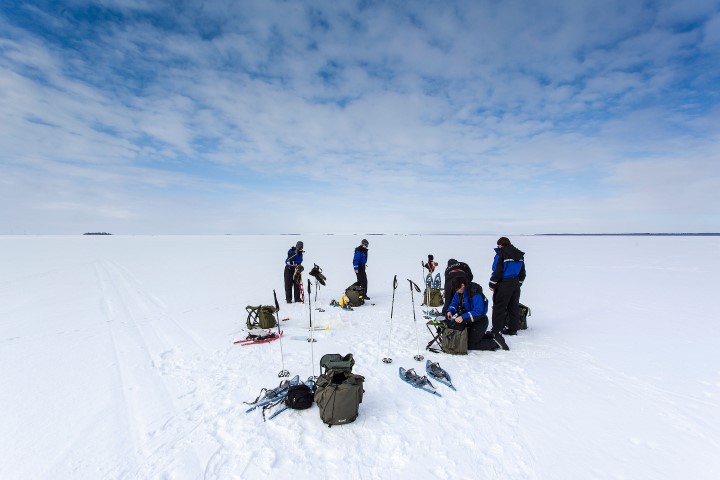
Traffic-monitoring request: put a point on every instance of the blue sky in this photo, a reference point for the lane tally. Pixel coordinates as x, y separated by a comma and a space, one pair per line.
140, 117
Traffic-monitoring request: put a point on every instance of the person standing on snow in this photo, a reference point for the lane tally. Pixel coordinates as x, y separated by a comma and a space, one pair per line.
359, 264
508, 274
292, 264
431, 264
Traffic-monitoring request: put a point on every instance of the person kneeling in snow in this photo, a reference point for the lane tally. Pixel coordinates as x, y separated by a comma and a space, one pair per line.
468, 309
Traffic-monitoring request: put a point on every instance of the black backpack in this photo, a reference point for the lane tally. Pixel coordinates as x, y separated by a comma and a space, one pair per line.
299, 397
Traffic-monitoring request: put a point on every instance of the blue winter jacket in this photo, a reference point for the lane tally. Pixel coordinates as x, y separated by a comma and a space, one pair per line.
294, 258
474, 303
360, 257
509, 262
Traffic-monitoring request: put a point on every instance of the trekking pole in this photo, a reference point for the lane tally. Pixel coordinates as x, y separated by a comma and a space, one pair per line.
311, 339
392, 306
417, 357
422, 271
283, 372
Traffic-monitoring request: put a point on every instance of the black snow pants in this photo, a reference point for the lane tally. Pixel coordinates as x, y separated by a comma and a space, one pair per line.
506, 303
291, 286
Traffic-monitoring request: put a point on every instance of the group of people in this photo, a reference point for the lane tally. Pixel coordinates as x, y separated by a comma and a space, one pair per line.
293, 267
466, 306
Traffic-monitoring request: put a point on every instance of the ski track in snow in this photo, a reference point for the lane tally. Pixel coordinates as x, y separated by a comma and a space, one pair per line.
154, 423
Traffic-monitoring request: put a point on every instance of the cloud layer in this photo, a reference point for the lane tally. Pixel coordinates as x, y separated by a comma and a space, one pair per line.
368, 116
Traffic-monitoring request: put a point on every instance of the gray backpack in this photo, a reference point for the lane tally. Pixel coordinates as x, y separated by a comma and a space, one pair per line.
339, 391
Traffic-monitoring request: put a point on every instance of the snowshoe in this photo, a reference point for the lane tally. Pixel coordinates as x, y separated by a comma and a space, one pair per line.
437, 283
428, 281
273, 395
255, 339
439, 374
409, 376
297, 276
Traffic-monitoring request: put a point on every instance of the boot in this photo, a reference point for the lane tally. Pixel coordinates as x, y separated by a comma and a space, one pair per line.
500, 341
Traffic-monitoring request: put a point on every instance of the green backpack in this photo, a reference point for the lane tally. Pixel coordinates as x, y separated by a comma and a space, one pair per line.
262, 316
432, 297
339, 392
454, 342
354, 294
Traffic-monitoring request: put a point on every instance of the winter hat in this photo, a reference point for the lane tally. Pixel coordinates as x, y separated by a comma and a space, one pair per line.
451, 261
364, 243
299, 245
430, 257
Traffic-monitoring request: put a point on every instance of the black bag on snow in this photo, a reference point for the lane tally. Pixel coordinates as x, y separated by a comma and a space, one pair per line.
354, 294
339, 392
299, 397
262, 316
524, 313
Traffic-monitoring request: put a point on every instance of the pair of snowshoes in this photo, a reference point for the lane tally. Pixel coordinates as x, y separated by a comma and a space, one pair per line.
431, 282
423, 383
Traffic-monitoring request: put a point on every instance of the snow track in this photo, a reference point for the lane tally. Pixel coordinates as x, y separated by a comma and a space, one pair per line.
143, 337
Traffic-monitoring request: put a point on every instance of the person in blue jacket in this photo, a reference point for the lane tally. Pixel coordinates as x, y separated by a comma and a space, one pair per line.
507, 277
292, 264
468, 309
359, 263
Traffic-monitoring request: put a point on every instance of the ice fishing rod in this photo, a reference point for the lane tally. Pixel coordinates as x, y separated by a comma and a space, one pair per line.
417, 357
283, 372
392, 306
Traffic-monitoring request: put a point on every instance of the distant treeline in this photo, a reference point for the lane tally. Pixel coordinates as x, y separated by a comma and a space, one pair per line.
97, 233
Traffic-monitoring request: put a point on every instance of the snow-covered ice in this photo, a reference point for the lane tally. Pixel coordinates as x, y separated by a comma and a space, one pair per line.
117, 361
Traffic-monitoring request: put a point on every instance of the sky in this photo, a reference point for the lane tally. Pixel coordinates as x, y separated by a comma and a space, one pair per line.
260, 117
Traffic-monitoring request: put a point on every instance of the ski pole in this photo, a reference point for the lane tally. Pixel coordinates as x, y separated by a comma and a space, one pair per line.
311, 339
283, 372
392, 306
417, 357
